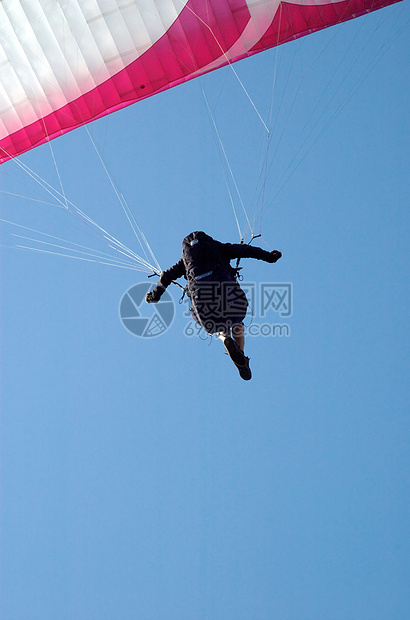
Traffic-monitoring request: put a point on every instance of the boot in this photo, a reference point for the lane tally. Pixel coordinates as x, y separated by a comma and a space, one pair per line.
238, 357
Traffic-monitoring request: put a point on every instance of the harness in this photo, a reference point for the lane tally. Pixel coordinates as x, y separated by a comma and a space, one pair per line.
237, 269
204, 275
235, 273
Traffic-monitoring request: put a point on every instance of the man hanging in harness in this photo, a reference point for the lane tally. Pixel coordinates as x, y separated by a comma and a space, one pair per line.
218, 303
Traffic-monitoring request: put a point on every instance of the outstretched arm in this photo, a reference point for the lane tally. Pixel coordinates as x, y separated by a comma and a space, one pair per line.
174, 272
243, 250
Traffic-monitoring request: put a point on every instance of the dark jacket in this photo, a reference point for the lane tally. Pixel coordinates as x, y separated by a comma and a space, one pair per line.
217, 300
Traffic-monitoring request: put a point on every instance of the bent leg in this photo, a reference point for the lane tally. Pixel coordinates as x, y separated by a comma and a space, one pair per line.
238, 333
234, 348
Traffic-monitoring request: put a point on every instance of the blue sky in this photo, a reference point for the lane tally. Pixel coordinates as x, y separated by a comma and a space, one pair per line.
141, 478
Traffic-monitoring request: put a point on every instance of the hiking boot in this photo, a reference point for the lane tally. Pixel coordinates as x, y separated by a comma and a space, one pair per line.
244, 370
238, 357
234, 352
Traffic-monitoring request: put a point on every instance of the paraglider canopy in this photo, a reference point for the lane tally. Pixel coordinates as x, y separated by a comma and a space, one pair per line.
65, 64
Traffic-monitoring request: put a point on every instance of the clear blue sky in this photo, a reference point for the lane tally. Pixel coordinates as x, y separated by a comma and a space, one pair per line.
141, 479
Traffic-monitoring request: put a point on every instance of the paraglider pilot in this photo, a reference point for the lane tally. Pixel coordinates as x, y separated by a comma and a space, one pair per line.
218, 303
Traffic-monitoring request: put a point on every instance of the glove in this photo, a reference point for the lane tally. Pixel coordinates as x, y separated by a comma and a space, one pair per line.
152, 297
149, 298
275, 255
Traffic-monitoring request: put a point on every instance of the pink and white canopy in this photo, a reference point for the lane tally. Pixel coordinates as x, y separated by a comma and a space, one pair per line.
65, 63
